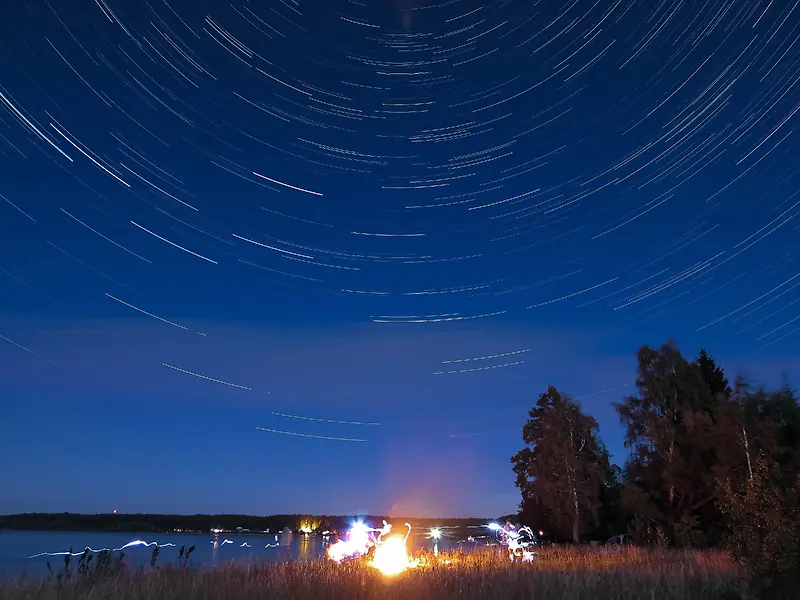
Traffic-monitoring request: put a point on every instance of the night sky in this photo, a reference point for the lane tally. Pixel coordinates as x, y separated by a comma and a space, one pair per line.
322, 256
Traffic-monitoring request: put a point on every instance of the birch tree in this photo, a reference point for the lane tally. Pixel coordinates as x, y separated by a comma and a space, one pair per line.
563, 466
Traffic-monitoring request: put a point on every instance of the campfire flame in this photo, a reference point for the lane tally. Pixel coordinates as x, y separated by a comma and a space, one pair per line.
390, 556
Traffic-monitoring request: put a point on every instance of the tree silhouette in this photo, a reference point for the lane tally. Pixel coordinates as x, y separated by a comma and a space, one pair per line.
671, 427
563, 467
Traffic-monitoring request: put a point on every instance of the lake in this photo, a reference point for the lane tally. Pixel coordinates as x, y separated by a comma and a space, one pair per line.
17, 548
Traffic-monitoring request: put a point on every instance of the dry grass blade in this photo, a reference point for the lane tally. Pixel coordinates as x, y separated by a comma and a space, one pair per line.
575, 573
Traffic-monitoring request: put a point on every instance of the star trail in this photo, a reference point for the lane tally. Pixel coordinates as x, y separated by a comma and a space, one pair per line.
400, 219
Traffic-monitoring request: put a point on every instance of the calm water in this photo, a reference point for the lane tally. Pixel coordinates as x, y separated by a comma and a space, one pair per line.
17, 546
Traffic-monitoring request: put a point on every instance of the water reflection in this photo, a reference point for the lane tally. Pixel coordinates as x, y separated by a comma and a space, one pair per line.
211, 550
214, 548
305, 547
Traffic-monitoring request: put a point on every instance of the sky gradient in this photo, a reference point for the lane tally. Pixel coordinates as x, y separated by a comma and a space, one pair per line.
397, 220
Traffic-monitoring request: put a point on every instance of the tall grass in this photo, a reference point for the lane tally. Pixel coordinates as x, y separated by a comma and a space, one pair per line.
569, 573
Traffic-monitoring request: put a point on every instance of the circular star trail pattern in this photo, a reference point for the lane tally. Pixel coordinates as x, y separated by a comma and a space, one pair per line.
404, 163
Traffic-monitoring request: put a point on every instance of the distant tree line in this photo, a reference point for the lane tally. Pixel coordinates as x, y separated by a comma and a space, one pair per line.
710, 465
153, 523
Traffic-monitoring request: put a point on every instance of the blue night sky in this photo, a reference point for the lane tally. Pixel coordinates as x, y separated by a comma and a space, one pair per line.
322, 256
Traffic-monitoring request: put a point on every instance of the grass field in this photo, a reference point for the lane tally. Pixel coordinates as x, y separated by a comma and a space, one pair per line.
569, 573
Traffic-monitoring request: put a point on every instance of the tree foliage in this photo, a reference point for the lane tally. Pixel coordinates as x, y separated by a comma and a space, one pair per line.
764, 519
670, 426
710, 464
562, 469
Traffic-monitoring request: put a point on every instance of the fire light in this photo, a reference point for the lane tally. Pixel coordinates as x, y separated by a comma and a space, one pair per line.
390, 554
391, 557
340, 550
357, 543
308, 526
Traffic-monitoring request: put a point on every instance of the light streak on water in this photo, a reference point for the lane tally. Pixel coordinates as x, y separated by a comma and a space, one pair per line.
93, 551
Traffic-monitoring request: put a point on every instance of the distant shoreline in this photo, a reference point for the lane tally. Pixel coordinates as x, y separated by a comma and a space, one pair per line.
159, 532
207, 524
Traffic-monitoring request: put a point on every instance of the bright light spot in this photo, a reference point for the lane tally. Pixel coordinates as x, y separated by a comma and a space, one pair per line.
340, 550
391, 557
355, 544
494, 526
541, 533
308, 526
436, 533
358, 534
